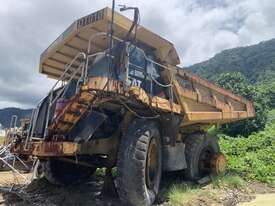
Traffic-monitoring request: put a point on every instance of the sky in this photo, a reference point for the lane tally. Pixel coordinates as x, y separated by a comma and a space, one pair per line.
198, 28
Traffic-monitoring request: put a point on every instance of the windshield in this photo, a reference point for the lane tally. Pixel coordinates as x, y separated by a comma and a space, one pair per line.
141, 70
99, 66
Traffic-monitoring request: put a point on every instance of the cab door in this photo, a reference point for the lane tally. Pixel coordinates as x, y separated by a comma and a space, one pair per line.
141, 71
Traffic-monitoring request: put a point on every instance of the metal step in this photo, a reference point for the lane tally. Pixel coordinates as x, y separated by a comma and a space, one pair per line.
72, 113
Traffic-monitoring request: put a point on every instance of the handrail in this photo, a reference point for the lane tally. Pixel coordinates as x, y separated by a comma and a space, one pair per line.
145, 56
85, 72
169, 86
29, 131
13, 121
68, 66
96, 54
71, 78
61, 78
55, 99
12, 128
92, 37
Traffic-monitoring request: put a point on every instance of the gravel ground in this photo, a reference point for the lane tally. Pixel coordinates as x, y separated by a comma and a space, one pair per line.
40, 193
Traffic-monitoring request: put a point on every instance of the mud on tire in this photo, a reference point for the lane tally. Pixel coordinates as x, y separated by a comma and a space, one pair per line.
139, 164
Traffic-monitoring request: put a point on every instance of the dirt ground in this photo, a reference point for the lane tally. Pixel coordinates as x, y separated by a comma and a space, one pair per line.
261, 200
40, 193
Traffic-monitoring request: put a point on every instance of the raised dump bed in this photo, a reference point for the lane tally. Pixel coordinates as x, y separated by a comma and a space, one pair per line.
76, 38
204, 102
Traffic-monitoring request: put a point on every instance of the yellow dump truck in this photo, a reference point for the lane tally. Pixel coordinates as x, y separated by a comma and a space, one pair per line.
121, 101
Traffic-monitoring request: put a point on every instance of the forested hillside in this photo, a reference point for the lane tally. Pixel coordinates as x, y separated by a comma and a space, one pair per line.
6, 114
256, 63
247, 71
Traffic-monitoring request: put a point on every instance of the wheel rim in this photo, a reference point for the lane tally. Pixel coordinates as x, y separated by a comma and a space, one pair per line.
205, 161
218, 164
152, 164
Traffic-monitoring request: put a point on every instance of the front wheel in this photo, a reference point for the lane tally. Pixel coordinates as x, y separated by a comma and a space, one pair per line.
139, 164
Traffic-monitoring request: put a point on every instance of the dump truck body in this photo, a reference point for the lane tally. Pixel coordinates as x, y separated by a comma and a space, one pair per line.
200, 101
116, 94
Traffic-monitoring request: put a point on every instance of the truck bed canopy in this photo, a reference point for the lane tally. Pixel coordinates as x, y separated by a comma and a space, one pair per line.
76, 37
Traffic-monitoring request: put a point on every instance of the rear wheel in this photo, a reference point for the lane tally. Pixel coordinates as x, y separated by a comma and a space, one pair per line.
139, 164
64, 173
201, 152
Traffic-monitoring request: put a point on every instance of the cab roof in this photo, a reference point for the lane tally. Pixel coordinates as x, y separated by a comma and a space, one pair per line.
76, 37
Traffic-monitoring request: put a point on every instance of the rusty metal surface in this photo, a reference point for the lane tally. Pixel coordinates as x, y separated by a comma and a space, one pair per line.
47, 149
151, 169
73, 111
204, 103
106, 146
218, 164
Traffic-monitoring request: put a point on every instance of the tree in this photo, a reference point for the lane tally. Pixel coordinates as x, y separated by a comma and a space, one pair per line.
268, 90
238, 84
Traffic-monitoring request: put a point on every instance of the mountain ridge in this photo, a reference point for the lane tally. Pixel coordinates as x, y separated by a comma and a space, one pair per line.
6, 114
255, 62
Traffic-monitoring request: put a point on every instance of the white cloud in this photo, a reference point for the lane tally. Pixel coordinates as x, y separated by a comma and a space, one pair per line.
198, 28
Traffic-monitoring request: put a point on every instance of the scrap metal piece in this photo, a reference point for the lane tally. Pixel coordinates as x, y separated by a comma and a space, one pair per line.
6, 156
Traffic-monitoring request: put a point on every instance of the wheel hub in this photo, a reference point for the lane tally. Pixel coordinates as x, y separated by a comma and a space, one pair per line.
205, 161
152, 164
218, 164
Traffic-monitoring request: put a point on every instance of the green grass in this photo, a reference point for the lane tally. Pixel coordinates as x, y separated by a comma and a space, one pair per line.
180, 194
101, 172
228, 181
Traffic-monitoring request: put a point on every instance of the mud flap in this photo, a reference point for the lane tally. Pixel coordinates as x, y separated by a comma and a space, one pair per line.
170, 124
85, 128
174, 157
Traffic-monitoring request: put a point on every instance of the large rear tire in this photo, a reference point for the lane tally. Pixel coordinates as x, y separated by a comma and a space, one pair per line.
64, 173
200, 149
139, 164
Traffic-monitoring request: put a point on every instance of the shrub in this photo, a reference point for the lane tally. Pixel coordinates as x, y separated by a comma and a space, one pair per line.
253, 158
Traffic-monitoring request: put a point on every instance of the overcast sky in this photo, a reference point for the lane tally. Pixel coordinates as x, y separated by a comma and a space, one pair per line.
198, 28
